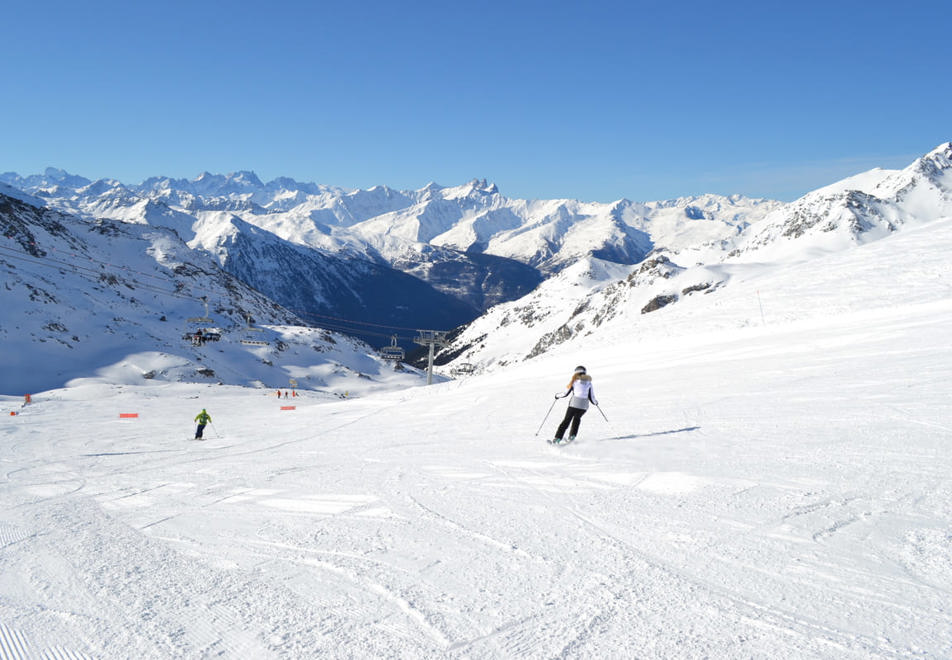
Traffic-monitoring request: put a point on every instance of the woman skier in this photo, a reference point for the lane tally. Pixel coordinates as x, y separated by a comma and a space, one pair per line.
580, 387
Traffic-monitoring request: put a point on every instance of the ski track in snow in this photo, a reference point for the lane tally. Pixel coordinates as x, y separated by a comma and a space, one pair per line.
748, 499
643, 563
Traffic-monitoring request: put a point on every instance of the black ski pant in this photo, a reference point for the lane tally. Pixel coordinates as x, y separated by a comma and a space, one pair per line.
199, 430
573, 416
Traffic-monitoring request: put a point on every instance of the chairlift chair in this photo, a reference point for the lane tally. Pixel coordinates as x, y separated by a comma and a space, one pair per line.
195, 328
248, 339
392, 352
463, 369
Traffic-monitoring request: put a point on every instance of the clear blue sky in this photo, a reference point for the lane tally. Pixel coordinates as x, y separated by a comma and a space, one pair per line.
589, 100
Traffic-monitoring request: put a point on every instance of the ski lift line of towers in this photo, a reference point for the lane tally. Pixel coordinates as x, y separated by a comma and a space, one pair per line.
430, 339
199, 335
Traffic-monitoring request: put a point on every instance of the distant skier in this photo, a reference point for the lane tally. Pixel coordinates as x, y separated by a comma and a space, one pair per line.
580, 387
202, 418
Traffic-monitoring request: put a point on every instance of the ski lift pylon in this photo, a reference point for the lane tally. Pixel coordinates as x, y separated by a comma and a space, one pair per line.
205, 320
392, 352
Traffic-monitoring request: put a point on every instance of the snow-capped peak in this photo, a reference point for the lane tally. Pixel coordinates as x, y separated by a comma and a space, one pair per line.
936, 165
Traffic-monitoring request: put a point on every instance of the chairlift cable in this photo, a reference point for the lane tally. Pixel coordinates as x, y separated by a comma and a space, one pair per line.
85, 272
323, 321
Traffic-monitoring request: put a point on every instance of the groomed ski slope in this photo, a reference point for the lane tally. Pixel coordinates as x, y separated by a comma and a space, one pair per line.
763, 491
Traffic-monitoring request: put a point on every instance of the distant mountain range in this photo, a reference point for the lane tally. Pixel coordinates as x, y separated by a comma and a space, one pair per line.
433, 258
514, 277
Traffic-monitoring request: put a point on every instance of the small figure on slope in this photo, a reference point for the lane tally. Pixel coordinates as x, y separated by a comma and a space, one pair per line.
202, 418
580, 387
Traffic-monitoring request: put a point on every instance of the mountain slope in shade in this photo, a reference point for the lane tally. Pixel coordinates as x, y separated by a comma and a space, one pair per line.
84, 296
304, 279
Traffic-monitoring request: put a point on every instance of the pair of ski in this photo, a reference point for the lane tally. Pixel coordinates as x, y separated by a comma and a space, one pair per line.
560, 443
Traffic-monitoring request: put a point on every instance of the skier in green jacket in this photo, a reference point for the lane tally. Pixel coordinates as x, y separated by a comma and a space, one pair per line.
202, 418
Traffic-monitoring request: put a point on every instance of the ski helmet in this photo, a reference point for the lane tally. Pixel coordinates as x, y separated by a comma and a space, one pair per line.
580, 370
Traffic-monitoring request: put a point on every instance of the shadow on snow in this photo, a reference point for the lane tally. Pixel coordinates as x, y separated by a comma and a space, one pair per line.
649, 435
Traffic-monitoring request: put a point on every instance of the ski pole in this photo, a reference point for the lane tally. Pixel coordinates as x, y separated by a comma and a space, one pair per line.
217, 434
610, 425
546, 416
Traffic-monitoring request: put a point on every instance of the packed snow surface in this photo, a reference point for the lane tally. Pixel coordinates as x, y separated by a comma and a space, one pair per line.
778, 490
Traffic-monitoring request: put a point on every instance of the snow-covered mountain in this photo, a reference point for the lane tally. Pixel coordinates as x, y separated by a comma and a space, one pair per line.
468, 242
536, 273
82, 296
857, 210
582, 302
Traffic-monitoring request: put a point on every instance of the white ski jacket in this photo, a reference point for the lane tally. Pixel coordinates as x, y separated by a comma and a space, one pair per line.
582, 393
